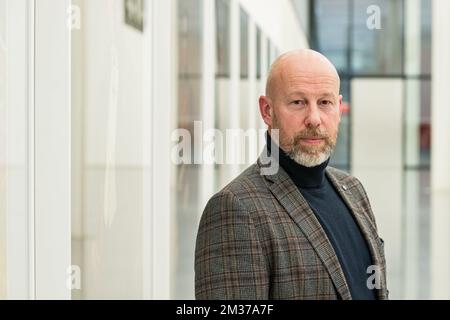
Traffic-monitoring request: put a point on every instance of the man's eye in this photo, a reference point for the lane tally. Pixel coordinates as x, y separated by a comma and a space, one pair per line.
298, 102
325, 102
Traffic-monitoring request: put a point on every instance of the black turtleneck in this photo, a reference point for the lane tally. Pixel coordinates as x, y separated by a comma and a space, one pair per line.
337, 221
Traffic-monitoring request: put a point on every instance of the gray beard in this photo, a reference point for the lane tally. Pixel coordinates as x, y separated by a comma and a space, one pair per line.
309, 160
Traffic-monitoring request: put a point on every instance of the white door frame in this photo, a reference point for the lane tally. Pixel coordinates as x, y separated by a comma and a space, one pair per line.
162, 100
52, 148
19, 149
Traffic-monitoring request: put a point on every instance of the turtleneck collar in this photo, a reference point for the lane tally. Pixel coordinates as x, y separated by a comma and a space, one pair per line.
303, 177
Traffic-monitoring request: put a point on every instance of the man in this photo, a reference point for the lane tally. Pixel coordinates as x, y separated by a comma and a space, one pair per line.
306, 231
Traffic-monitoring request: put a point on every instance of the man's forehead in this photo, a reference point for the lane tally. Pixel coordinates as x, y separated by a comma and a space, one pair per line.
309, 75
301, 82
305, 62
301, 92
302, 68
294, 78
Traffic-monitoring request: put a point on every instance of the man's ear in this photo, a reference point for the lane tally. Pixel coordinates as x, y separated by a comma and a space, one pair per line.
265, 108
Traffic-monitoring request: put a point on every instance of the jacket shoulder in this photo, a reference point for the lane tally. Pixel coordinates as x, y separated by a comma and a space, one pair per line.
247, 184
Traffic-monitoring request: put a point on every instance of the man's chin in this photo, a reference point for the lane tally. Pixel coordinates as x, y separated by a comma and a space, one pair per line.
312, 150
310, 160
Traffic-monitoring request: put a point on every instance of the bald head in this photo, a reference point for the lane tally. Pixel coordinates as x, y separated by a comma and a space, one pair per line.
303, 105
305, 63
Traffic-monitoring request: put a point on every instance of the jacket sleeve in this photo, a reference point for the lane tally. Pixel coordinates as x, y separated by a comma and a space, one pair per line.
229, 261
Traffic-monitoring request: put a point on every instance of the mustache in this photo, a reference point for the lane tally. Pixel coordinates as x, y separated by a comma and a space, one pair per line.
312, 133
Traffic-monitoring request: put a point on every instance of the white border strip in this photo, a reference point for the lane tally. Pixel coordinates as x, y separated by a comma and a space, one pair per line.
147, 119
31, 149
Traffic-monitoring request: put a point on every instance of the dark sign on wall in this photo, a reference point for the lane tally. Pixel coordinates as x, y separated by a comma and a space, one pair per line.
134, 14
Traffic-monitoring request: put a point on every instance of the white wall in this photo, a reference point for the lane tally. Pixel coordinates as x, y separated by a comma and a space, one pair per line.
279, 21
376, 135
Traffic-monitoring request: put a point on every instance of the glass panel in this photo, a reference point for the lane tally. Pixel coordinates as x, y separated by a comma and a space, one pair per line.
108, 169
244, 82
269, 53
223, 37
377, 51
412, 37
425, 123
187, 176
373, 52
332, 21
417, 37
426, 36
244, 44
223, 32
418, 123
258, 53
341, 155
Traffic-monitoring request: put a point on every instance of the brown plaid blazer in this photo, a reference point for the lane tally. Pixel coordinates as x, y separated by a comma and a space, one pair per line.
259, 239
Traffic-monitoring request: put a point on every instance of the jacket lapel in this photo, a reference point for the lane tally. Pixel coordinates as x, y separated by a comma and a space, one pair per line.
366, 227
296, 206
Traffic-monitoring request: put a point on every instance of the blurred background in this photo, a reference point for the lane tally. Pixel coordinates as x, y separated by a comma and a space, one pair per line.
92, 205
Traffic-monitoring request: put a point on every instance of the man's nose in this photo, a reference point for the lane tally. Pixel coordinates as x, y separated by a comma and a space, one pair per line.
313, 117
